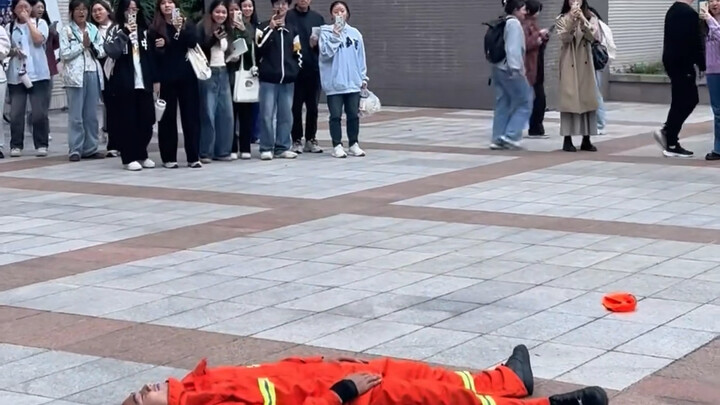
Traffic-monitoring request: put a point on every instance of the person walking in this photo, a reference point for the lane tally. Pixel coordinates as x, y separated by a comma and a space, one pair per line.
535, 42
513, 94
682, 54
307, 85
576, 28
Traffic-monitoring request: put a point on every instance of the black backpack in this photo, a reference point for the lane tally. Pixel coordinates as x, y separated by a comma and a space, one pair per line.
495, 41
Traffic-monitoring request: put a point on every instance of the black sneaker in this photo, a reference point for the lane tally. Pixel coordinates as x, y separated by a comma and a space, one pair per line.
712, 156
585, 396
519, 363
2, 156
677, 151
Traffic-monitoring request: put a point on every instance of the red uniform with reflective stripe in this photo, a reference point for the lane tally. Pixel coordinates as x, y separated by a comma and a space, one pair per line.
307, 381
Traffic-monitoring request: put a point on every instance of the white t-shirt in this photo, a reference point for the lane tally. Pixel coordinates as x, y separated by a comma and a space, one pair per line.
139, 83
217, 53
90, 65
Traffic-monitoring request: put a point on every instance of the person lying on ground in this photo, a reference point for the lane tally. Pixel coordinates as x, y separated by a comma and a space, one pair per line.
383, 381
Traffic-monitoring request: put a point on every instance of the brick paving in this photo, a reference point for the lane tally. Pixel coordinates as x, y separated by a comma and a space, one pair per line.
430, 248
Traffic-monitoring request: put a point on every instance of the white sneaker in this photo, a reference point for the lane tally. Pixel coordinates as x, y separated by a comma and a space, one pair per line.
148, 164
511, 143
205, 160
339, 152
133, 166
355, 150
266, 155
602, 131
15, 152
170, 165
287, 155
233, 156
41, 152
245, 156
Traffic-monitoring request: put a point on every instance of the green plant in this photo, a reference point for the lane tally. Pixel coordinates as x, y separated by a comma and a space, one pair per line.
655, 68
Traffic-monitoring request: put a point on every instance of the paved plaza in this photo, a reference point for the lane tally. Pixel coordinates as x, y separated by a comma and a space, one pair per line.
431, 247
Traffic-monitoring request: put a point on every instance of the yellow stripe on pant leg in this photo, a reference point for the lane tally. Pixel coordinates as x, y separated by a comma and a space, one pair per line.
462, 375
471, 381
482, 399
267, 390
490, 400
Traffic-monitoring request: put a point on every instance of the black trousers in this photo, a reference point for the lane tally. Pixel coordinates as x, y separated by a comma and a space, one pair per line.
135, 111
111, 114
185, 94
538, 112
307, 92
684, 94
245, 119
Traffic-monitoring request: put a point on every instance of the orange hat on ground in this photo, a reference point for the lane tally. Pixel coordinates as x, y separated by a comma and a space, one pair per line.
619, 302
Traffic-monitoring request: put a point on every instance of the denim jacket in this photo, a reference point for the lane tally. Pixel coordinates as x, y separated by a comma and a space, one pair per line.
73, 56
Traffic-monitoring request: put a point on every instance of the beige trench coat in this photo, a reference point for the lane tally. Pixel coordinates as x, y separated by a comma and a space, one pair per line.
577, 72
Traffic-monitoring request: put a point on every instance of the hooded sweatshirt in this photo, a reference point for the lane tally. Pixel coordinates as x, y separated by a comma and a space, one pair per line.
342, 60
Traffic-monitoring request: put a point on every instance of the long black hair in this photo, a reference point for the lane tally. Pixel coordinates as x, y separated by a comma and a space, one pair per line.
584, 6
512, 5
45, 15
254, 17
208, 21
75, 4
120, 18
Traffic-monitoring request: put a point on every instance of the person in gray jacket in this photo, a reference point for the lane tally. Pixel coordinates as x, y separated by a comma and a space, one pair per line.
513, 94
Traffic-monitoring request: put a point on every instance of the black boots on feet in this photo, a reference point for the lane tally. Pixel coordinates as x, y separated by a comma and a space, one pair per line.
519, 363
586, 145
585, 396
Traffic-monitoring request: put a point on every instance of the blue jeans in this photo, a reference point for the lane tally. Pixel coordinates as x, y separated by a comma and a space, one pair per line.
351, 102
83, 124
513, 104
216, 115
713, 85
601, 103
276, 117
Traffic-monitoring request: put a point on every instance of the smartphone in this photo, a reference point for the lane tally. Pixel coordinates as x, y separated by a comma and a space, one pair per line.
175, 13
339, 20
132, 18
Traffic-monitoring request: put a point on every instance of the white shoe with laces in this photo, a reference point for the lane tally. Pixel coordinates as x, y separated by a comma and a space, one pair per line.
133, 166
355, 150
148, 164
339, 152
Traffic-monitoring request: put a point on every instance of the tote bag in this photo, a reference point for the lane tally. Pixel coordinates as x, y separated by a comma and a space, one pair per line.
199, 63
247, 85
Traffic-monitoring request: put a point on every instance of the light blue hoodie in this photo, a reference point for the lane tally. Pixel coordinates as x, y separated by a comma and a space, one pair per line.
514, 46
342, 60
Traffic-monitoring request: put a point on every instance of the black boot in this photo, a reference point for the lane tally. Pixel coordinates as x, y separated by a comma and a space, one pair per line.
568, 145
585, 396
586, 145
519, 363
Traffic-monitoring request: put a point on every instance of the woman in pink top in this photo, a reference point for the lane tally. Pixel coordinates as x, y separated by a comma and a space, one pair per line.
712, 60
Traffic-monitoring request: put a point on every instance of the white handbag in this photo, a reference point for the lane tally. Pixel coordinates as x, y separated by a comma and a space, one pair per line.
199, 63
247, 84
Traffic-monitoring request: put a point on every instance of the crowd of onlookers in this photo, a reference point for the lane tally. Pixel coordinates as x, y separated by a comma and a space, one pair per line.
233, 79
691, 47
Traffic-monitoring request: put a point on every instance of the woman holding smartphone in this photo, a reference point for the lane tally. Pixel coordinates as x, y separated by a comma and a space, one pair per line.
216, 113
133, 83
245, 21
343, 75
710, 14
170, 37
101, 16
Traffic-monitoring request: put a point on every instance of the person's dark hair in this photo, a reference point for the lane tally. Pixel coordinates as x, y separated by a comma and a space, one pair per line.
104, 5
335, 3
120, 18
592, 10
208, 22
272, 2
45, 15
513, 5
254, 16
533, 7
14, 4
159, 25
584, 6
74, 4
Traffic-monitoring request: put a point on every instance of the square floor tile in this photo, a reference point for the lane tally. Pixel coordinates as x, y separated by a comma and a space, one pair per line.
668, 248
641, 285
679, 267
603, 334
709, 253
587, 279
309, 328
429, 312
10, 353
158, 309
277, 294
206, 315
539, 298
231, 289
388, 281
326, 300
480, 353
630, 262
537, 274
487, 292
704, 318
699, 291
488, 269
378, 305
15, 398
485, 319
363, 336
543, 326
436, 286
549, 360
40, 365
656, 311
397, 260
672, 343
582, 258
604, 371
421, 344
442, 264
589, 304
257, 321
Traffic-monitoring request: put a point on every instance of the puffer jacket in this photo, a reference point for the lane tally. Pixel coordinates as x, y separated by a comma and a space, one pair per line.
73, 57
